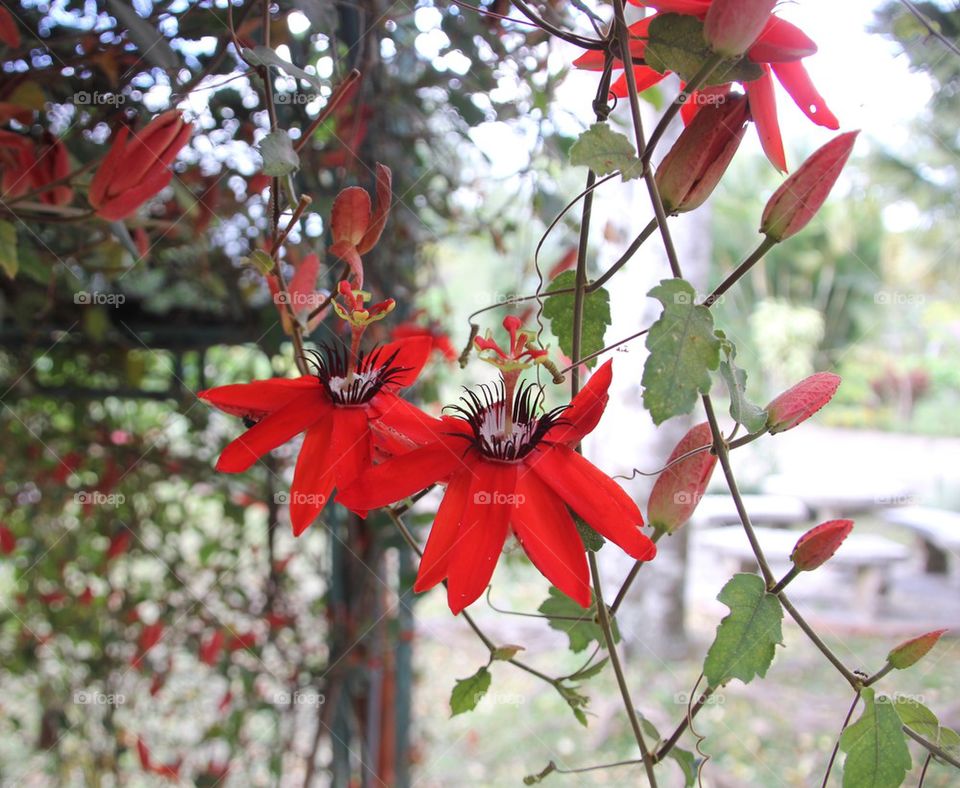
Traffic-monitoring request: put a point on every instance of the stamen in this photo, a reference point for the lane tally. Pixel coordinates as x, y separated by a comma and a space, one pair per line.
356, 385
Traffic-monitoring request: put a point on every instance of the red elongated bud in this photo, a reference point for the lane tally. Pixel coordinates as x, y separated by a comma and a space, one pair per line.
211, 647
818, 545
799, 403
912, 651
8, 542
731, 26
698, 159
800, 196
680, 487
350, 216
378, 220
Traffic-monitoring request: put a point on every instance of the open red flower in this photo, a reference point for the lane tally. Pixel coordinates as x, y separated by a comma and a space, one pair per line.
525, 480
779, 50
347, 412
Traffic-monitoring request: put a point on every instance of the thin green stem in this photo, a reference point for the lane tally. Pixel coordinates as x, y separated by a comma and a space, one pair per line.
878, 675
931, 747
628, 581
692, 712
836, 746
740, 271
851, 678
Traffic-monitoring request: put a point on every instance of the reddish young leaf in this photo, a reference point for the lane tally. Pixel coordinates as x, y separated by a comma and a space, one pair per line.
800, 402
379, 219
800, 196
912, 651
350, 217
819, 544
9, 32
680, 487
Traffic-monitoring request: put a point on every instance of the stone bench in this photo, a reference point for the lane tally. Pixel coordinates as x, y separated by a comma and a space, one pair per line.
870, 558
939, 530
783, 510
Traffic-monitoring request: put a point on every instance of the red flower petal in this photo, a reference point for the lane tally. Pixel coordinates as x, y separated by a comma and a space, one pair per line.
258, 398
550, 539
781, 42
595, 497
350, 216
797, 82
275, 429
105, 172
585, 410
412, 354
312, 478
483, 530
349, 453
763, 108
443, 533
689, 7
645, 77
399, 427
303, 284
395, 479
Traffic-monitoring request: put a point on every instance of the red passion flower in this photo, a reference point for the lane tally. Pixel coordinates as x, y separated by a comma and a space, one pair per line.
503, 474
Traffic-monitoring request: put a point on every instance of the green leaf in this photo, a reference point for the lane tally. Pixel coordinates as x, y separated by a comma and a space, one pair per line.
596, 316
751, 416
604, 150
746, 638
590, 671
876, 747
579, 624
921, 720
575, 700
279, 157
653, 735
264, 56
9, 261
683, 350
676, 44
688, 763
260, 260
506, 653
468, 692
590, 538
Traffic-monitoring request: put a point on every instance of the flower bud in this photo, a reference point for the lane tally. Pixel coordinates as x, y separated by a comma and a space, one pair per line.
798, 199
698, 159
680, 487
913, 650
819, 544
799, 403
731, 26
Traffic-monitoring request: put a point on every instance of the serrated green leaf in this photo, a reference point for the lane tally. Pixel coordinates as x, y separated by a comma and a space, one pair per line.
264, 56
468, 692
590, 538
506, 653
683, 351
742, 410
579, 625
676, 43
9, 261
923, 721
746, 638
596, 316
876, 747
604, 151
279, 157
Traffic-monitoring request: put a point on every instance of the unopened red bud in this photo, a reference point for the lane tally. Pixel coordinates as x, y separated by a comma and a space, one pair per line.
799, 403
798, 199
731, 26
698, 159
819, 544
680, 487
913, 650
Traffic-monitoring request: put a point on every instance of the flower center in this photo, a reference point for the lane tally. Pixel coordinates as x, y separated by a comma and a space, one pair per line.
369, 375
493, 435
